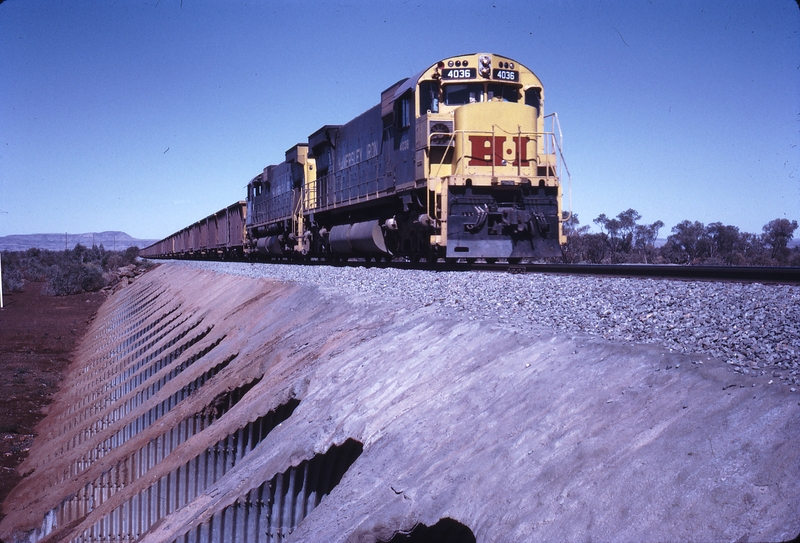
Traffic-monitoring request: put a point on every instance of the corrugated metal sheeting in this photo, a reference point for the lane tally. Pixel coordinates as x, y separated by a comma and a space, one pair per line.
150, 353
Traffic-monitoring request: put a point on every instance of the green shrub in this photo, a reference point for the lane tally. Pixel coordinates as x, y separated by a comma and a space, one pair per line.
66, 272
13, 278
113, 261
13, 281
71, 277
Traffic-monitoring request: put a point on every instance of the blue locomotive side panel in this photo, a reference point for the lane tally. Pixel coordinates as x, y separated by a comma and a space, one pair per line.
275, 194
349, 165
400, 139
281, 182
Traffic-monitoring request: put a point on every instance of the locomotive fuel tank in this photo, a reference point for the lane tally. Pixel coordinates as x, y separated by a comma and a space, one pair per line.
364, 238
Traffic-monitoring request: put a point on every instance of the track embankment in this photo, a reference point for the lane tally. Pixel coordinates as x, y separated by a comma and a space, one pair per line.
204, 406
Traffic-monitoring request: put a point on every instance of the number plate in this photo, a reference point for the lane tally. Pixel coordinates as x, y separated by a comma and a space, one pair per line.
506, 75
459, 73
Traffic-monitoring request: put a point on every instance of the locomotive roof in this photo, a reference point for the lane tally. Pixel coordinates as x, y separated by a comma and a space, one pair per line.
404, 85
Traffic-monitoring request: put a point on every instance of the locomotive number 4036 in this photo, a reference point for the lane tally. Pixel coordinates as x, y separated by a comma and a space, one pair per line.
459, 73
506, 75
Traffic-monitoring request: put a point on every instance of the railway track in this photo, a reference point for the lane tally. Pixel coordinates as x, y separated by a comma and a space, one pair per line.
748, 274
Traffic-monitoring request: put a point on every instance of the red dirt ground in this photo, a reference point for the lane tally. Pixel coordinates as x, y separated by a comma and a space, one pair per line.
38, 334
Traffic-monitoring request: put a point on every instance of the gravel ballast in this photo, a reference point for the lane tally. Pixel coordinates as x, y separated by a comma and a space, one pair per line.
755, 328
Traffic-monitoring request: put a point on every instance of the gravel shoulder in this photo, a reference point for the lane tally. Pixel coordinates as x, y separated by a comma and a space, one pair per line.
754, 328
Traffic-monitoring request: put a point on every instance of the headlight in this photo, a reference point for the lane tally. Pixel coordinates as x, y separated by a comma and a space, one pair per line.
485, 64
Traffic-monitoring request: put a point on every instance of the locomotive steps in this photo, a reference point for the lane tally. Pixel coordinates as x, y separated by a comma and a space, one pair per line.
204, 406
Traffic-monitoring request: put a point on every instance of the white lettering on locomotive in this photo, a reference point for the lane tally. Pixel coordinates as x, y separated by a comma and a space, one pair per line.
357, 156
509, 76
372, 149
350, 159
458, 74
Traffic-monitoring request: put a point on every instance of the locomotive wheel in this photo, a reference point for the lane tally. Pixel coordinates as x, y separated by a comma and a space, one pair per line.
491, 260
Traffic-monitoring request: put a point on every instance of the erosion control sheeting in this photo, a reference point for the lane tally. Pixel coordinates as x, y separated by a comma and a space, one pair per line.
206, 407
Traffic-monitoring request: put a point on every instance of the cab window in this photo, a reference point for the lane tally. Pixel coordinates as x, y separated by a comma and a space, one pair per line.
458, 95
533, 97
402, 112
506, 93
429, 97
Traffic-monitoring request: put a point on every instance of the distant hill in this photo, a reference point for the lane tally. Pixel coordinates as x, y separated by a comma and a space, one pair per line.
111, 241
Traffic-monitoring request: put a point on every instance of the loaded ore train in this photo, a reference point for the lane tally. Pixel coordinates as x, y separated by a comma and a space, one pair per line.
456, 162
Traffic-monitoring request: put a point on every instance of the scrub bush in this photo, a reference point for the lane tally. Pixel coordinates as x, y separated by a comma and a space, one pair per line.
66, 272
72, 277
13, 280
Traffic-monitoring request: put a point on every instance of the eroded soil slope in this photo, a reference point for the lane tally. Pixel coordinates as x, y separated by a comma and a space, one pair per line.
38, 333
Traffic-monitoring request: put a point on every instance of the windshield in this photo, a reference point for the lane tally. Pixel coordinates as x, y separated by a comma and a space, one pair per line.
467, 93
506, 93
457, 95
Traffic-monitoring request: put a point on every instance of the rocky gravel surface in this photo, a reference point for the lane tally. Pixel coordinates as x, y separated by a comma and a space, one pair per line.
754, 328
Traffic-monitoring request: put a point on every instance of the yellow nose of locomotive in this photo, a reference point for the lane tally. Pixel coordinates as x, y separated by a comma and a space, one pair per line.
494, 139
504, 198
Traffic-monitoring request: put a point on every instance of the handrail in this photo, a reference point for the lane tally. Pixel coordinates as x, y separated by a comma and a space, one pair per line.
560, 145
450, 143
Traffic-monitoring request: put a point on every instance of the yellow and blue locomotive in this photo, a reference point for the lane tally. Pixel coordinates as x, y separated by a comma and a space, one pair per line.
455, 162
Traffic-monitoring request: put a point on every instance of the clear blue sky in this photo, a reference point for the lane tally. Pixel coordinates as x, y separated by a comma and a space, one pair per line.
147, 115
